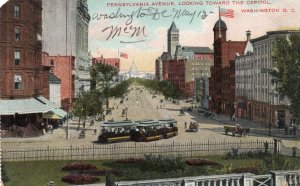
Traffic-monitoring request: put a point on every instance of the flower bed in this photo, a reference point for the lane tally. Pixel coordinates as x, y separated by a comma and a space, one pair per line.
130, 160
200, 162
79, 166
101, 172
79, 179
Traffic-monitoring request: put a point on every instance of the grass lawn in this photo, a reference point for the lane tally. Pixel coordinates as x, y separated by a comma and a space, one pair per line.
38, 173
41, 172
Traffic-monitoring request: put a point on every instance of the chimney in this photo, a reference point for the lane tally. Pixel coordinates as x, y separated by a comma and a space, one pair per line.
248, 34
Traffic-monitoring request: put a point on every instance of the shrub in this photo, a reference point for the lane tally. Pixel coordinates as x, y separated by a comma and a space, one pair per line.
79, 166
79, 179
251, 169
130, 160
200, 162
234, 154
274, 162
4, 174
162, 163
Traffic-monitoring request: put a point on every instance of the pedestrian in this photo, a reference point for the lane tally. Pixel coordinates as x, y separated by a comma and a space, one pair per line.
286, 130
95, 130
233, 117
185, 124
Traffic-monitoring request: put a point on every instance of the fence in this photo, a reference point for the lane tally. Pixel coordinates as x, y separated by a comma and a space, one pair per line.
134, 150
274, 178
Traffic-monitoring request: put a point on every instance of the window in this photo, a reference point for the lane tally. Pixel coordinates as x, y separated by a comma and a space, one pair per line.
17, 34
18, 82
17, 57
17, 10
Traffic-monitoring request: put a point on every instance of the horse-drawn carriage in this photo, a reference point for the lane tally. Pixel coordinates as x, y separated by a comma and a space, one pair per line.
116, 131
193, 127
169, 127
237, 129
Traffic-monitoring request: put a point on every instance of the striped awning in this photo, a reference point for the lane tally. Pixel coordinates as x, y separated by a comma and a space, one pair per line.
23, 106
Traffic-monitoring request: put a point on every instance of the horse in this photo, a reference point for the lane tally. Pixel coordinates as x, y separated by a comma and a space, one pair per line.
243, 131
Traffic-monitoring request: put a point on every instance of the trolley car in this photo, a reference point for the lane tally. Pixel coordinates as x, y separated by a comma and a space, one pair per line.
116, 131
147, 131
169, 127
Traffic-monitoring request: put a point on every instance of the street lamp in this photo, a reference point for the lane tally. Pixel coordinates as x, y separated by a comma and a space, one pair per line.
67, 130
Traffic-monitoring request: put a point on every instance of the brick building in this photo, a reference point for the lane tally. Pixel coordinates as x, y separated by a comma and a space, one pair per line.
23, 78
63, 67
182, 65
114, 62
222, 81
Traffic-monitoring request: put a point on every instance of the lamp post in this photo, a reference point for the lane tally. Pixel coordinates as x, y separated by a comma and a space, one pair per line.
67, 130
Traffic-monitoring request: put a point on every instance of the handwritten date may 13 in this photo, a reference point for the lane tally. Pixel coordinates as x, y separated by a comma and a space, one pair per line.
151, 12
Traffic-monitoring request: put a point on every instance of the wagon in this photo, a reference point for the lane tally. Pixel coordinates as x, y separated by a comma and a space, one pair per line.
236, 130
193, 127
116, 131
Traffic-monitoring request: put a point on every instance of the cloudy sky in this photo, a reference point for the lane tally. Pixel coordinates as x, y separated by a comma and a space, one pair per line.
194, 25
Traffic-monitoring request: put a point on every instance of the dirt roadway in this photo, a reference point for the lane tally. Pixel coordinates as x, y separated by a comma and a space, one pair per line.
140, 105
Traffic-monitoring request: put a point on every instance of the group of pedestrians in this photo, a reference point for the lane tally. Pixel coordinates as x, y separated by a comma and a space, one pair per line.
290, 130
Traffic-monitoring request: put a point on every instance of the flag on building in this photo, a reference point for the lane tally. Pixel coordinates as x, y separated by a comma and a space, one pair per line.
227, 12
123, 55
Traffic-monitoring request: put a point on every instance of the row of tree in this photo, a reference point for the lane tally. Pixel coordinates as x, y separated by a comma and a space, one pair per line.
165, 87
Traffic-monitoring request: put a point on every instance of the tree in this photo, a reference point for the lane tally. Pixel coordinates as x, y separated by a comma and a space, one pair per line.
120, 89
88, 104
287, 69
103, 78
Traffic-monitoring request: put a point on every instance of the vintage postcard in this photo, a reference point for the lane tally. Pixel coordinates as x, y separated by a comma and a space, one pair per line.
149, 92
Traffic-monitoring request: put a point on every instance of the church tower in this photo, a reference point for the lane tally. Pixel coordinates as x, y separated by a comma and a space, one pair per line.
173, 39
220, 29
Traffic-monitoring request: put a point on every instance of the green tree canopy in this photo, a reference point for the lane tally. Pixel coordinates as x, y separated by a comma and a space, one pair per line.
88, 104
103, 79
287, 69
165, 87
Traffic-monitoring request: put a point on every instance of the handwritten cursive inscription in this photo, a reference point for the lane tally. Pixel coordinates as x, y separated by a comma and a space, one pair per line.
128, 29
154, 13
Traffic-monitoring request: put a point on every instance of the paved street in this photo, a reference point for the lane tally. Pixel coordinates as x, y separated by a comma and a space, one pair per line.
141, 105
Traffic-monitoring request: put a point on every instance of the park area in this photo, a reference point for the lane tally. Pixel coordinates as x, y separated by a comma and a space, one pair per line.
151, 166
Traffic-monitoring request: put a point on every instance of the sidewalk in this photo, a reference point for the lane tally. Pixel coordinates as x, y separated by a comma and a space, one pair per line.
256, 128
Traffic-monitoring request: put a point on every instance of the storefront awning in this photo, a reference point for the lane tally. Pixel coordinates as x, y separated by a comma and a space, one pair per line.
55, 113
23, 106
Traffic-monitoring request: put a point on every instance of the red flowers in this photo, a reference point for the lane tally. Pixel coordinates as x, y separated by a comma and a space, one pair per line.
79, 179
79, 166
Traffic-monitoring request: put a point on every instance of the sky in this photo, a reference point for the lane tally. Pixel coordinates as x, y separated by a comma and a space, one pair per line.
194, 19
